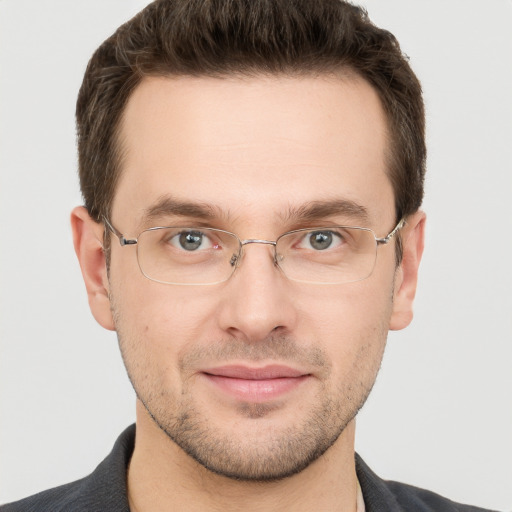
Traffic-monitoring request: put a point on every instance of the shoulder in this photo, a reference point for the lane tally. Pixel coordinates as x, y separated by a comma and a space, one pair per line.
388, 496
414, 498
65, 497
104, 490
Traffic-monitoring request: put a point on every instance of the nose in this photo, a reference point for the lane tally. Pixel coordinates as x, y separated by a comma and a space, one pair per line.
258, 301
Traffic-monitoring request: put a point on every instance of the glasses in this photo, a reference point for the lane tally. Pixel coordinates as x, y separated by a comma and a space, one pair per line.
206, 256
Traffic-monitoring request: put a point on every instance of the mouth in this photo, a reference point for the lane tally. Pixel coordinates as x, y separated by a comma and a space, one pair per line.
255, 385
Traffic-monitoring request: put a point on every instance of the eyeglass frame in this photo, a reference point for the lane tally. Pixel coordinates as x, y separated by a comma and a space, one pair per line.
123, 241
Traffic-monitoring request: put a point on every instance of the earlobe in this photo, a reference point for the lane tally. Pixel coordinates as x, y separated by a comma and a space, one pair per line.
87, 239
413, 239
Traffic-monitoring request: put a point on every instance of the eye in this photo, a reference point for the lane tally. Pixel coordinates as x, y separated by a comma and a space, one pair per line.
321, 240
191, 241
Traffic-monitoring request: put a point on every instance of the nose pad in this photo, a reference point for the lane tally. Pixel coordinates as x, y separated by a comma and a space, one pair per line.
235, 259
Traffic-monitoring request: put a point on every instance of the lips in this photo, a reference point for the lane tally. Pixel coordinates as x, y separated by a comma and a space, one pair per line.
255, 384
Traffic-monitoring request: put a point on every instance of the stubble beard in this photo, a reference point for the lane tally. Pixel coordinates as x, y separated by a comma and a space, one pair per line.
269, 453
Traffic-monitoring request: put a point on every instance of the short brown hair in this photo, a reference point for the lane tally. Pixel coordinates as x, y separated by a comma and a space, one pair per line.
224, 37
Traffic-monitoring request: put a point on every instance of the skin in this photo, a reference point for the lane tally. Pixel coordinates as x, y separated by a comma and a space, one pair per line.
236, 144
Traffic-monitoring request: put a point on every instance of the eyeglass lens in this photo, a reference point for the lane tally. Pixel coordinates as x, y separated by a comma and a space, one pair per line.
184, 255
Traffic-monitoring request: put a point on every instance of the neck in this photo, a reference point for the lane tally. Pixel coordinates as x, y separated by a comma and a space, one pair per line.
162, 477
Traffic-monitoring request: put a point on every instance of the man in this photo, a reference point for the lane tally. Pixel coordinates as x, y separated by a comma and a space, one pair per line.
266, 160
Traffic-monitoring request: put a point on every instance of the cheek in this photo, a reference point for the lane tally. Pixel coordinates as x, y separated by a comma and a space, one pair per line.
150, 339
158, 322
351, 323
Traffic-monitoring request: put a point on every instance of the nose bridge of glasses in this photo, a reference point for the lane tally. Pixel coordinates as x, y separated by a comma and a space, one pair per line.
236, 260
256, 241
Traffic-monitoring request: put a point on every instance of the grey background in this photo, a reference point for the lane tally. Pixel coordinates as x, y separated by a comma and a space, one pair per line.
440, 415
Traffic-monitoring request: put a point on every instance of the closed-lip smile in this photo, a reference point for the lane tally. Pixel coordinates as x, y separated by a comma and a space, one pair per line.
255, 384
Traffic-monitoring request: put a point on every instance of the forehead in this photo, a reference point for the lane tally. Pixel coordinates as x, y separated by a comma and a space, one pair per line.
253, 146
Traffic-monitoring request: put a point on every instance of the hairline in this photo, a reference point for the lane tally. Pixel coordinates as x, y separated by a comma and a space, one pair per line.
341, 72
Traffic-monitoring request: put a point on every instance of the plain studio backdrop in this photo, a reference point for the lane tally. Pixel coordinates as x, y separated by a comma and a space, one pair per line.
440, 415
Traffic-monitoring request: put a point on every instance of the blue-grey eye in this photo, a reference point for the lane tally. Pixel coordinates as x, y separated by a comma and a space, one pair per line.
321, 240
191, 240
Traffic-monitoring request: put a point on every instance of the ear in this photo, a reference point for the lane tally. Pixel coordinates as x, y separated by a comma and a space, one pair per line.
88, 242
406, 278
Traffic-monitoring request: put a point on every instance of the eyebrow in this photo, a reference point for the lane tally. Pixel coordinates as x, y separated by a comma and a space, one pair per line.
170, 206
317, 210
309, 212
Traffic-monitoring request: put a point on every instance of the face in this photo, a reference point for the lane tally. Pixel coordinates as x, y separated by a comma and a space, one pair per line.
257, 376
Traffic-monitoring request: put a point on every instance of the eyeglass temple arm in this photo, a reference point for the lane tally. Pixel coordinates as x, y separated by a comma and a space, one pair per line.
387, 238
122, 240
